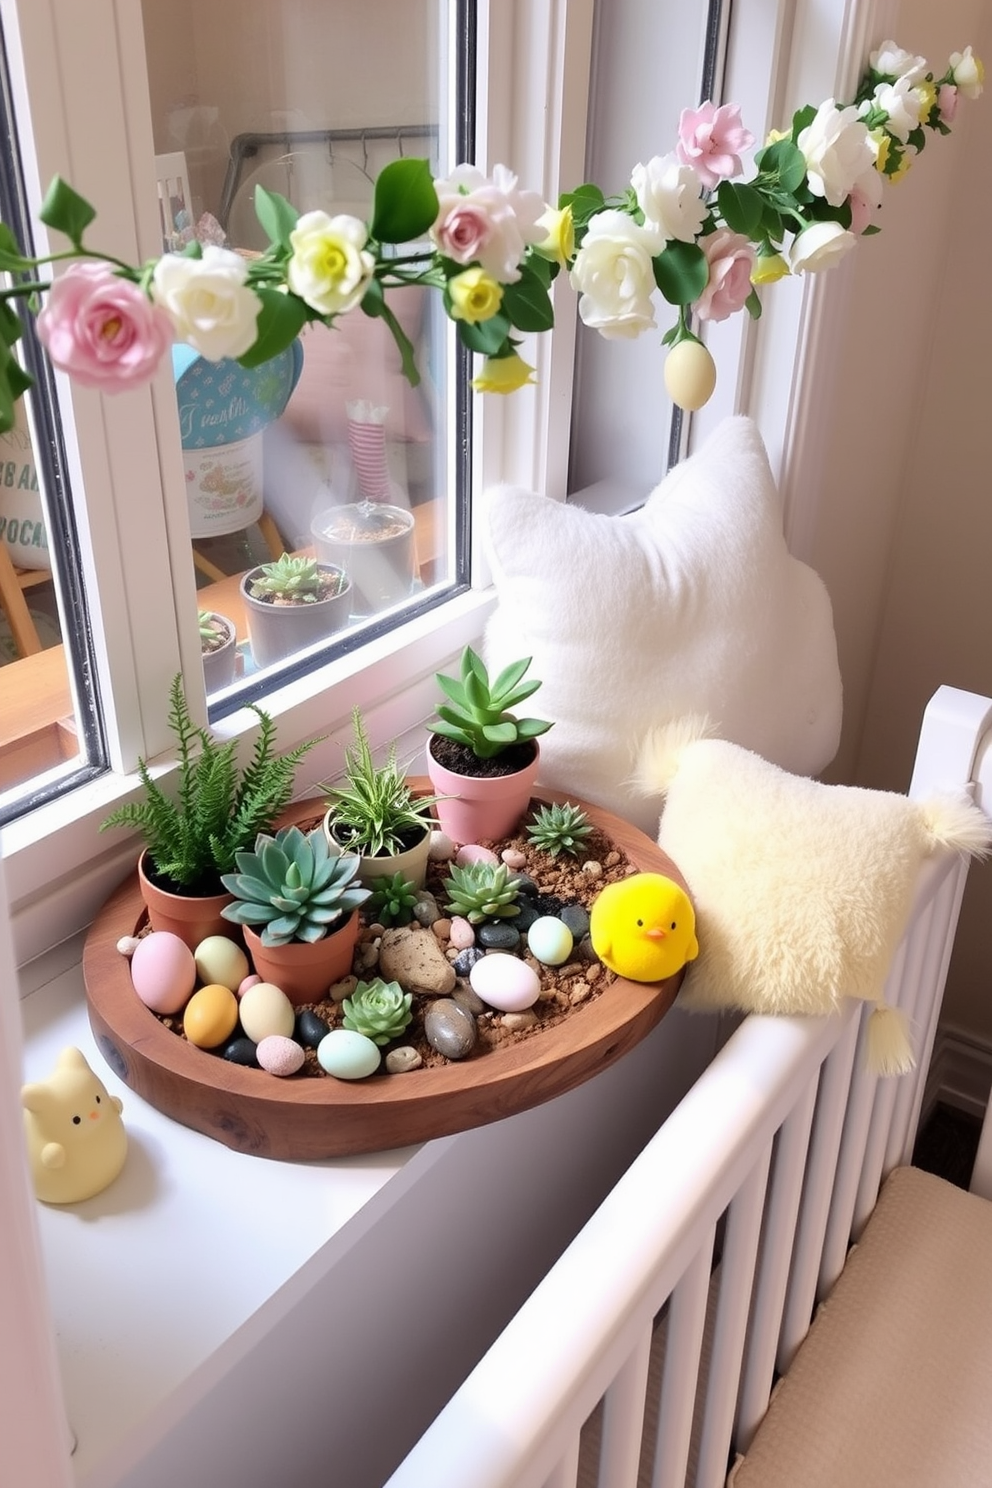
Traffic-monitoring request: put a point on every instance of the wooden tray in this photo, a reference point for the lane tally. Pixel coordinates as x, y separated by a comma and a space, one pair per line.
311, 1118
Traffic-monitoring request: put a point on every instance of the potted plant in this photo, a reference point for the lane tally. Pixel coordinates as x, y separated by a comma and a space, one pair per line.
292, 603
218, 649
374, 813
191, 839
306, 902
481, 758
374, 543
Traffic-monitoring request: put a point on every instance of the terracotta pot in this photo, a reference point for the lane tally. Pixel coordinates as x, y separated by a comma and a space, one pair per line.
190, 917
481, 807
305, 969
279, 631
412, 863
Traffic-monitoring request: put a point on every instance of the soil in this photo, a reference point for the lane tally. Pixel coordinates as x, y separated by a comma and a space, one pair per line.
460, 760
331, 582
374, 526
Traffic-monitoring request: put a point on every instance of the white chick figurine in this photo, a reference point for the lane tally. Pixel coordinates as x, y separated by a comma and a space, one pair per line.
76, 1138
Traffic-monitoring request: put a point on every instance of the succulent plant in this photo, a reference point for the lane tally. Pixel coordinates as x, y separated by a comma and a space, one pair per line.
476, 713
295, 578
380, 1010
292, 886
559, 828
375, 806
393, 899
482, 891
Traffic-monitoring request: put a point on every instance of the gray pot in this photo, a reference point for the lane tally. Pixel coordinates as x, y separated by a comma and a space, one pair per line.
277, 631
220, 666
374, 543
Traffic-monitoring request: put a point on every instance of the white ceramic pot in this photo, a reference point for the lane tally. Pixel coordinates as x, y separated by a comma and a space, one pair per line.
277, 631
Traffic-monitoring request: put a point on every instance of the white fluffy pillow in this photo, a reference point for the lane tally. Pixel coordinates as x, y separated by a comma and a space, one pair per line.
691, 605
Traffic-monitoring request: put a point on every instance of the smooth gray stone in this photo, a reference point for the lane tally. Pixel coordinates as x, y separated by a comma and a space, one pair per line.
576, 918
500, 936
450, 1029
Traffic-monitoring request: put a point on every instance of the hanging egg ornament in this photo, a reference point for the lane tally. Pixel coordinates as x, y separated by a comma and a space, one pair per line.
690, 375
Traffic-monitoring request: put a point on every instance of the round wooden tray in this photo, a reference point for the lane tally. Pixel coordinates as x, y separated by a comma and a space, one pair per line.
309, 1118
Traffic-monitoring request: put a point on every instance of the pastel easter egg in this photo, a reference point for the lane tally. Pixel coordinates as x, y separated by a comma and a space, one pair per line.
211, 1016
473, 852
265, 1010
348, 1055
550, 940
163, 971
279, 1056
246, 982
505, 982
220, 960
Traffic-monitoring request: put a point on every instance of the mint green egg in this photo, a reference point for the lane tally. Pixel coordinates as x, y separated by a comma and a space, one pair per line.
348, 1055
549, 940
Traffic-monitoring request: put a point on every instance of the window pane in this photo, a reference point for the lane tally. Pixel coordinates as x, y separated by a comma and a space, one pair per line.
326, 452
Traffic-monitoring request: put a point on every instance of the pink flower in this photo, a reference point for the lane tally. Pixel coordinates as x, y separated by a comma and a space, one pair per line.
711, 140
488, 221
730, 257
947, 102
103, 330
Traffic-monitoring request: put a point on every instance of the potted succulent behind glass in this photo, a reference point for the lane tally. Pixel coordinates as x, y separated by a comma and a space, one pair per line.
191, 839
374, 543
306, 902
480, 756
292, 603
374, 813
218, 649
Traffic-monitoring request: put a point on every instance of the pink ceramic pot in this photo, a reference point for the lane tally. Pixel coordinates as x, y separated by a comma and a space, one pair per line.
481, 808
305, 969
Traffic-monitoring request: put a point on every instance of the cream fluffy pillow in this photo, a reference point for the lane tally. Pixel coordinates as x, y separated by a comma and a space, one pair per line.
801, 890
691, 605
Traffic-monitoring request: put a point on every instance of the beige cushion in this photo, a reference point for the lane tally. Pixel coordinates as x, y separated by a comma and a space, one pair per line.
893, 1386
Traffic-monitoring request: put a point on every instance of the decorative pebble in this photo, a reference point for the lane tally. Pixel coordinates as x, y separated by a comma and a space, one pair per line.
526, 887
219, 960
462, 933
266, 1010
526, 914
211, 1016
505, 982
469, 1000
466, 959
366, 957
518, 1022
441, 928
415, 960
427, 912
450, 1029
550, 941
348, 1055
593, 971
279, 1056
309, 1028
592, 869
249, 981
163, 971
240, 1050
127, 945
513, 857
579, 993
342, 989
473, 852
442, 848
501, 935
576, 917
399, 1061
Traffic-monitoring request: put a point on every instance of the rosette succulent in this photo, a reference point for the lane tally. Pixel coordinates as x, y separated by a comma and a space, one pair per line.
291, 577
476, 713
293, 887
380, 1010
393, 899
482, 891
559, 828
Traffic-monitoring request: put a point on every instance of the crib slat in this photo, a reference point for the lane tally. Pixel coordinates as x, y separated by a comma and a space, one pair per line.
623, 1418
835, 1081
566, 1473
857, 1119
683, 1350
736, 1285
773, 1271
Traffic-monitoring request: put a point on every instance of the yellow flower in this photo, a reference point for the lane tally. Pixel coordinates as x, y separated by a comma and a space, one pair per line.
902, 167
928, 97
559, 243
880, 140
473, 296
768, 267
774, 135
503, 375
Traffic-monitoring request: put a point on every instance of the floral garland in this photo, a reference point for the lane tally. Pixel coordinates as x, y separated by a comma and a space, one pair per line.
686, 226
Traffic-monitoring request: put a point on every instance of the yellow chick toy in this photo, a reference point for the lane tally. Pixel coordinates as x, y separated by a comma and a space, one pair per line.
644, 928
76, 1138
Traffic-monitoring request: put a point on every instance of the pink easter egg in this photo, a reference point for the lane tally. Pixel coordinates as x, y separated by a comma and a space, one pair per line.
505, 982
279, 1055
473, 853
163, 971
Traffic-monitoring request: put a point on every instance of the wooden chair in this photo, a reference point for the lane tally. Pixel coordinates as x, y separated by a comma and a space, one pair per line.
13, 582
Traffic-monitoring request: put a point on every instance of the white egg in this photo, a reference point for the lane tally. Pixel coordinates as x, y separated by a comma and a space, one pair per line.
348, 1055
220, 960
265, 1011
505, 982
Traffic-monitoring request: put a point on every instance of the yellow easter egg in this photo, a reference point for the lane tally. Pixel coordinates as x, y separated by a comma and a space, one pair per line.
211, 1016
219, 959
690, 375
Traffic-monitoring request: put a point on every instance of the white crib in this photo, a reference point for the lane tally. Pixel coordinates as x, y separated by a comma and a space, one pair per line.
647, 1355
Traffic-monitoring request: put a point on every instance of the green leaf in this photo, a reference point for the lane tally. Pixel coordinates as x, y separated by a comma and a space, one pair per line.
66, 211
753, 305
785, 162
277, 216
374, 304
11, 328
487, 337
740, 206
11, 258
527, 303
585, 201
917, 138
280, 320
801, 119
405, 204
509, 677
771, 223
681, 272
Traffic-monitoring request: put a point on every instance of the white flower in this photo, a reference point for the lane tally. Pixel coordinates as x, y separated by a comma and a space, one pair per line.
967, 72
208, 300
901, 101
820, 246
670, 196
893, 62
330, 267
487, 221
866, 199
837, 150
614, 275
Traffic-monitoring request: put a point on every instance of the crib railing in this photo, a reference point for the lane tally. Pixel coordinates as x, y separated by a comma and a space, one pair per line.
661, 1328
